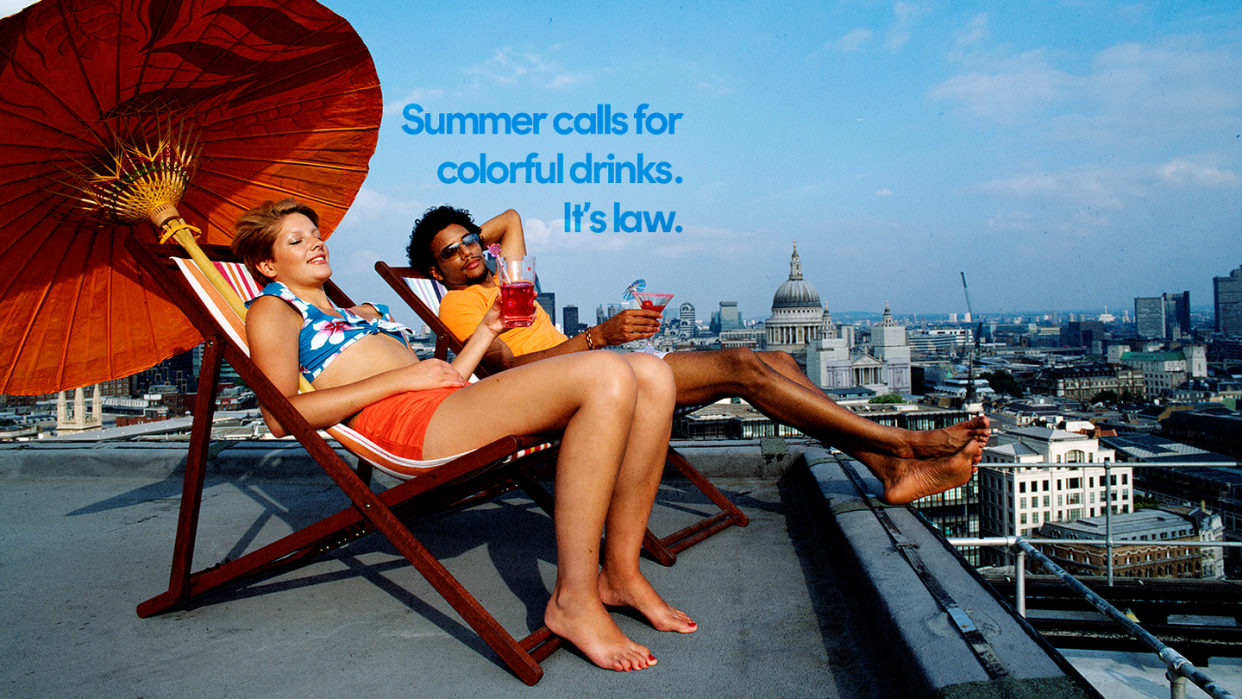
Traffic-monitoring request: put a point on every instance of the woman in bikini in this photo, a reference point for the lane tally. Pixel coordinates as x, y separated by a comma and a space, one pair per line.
615, 417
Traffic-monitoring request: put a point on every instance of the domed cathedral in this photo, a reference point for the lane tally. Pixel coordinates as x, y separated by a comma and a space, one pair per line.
797, 314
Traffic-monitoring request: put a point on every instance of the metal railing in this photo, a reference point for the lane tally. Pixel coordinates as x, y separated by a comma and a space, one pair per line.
1108, 541
1179, 669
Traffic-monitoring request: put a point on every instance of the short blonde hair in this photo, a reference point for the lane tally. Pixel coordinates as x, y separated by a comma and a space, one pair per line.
255, 232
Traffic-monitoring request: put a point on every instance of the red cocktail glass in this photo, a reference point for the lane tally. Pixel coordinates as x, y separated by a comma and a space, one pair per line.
651, 301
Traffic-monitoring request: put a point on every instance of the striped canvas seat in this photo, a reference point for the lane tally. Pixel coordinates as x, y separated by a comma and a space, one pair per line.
247, 288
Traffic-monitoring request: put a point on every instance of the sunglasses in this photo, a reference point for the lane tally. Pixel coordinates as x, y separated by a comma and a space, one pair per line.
454, 250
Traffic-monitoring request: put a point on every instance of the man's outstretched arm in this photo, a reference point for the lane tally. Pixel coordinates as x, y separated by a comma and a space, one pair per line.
626, 326
460, 313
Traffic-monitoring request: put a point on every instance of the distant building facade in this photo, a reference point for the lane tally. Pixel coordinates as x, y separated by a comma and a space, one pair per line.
570, 324
1218, 433
890, 346
882, 366
1164, 318
1151, 556
1176, 315
605, 311
940, 341
1165, 371
685, 321
1149, 317
547, 300
179, 371
1082, 333
729, 317
1227, 300
1086, 381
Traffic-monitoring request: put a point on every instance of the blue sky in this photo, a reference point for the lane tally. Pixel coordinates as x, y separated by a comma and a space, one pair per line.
1065, 155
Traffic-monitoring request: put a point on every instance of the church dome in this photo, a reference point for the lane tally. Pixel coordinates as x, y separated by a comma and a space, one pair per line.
796, 292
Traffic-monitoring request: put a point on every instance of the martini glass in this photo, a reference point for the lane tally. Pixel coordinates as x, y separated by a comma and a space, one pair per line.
651, 301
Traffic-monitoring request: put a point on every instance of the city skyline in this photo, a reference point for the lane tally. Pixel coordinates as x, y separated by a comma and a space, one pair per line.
1062, 155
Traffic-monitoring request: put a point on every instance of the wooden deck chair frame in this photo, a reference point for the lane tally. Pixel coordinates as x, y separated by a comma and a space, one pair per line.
663, 549
483, 473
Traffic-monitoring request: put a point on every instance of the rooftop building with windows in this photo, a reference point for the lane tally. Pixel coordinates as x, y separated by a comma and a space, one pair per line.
1143, 560
1016, 501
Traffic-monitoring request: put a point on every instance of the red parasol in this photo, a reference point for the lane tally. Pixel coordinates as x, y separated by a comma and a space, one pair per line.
114, 113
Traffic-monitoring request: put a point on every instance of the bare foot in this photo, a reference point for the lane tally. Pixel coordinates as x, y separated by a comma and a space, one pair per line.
906, 480
586, 624
934, 444
637, 593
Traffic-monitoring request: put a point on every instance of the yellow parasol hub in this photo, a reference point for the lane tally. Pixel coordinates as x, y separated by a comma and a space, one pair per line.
144, 179
140, 179
146, 182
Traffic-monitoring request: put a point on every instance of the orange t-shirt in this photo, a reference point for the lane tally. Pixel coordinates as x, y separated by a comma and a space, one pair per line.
461, 310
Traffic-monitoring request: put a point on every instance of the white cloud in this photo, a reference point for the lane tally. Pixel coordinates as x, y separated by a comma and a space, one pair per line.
371, 206
1078, 189
975, 31
854, 40
1181, 171
906, 16
886, 192
896, 40
568, 80
510, 67
1132, 96
1015, 91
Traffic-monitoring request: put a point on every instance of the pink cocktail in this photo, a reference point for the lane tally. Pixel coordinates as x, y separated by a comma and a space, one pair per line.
652, 301
517, 304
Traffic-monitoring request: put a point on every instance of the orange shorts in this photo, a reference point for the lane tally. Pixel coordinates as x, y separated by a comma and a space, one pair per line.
398, 423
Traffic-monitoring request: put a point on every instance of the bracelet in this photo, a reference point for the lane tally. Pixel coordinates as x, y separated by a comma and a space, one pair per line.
590, 342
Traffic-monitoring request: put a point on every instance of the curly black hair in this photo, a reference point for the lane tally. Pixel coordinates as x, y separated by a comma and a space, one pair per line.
434, 220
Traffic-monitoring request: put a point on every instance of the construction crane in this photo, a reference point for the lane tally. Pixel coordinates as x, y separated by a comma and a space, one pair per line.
970, 356
970, 313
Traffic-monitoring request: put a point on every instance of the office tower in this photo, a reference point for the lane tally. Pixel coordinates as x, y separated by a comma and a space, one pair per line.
1227, 293
1165, 317
686, 314
569, 322
547, 300
1149, 317
685, 321
1082, 333
730, 317
1177, 315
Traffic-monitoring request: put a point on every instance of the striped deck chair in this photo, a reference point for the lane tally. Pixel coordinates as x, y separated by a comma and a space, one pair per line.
422, 294
429, 486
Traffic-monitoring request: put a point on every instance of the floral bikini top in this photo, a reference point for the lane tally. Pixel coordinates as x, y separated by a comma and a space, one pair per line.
324, 336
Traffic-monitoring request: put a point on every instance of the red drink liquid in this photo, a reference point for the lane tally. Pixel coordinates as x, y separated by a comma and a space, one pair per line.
517, 304
649, 305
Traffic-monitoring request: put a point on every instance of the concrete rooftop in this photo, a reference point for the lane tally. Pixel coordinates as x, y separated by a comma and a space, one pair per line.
808, 600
